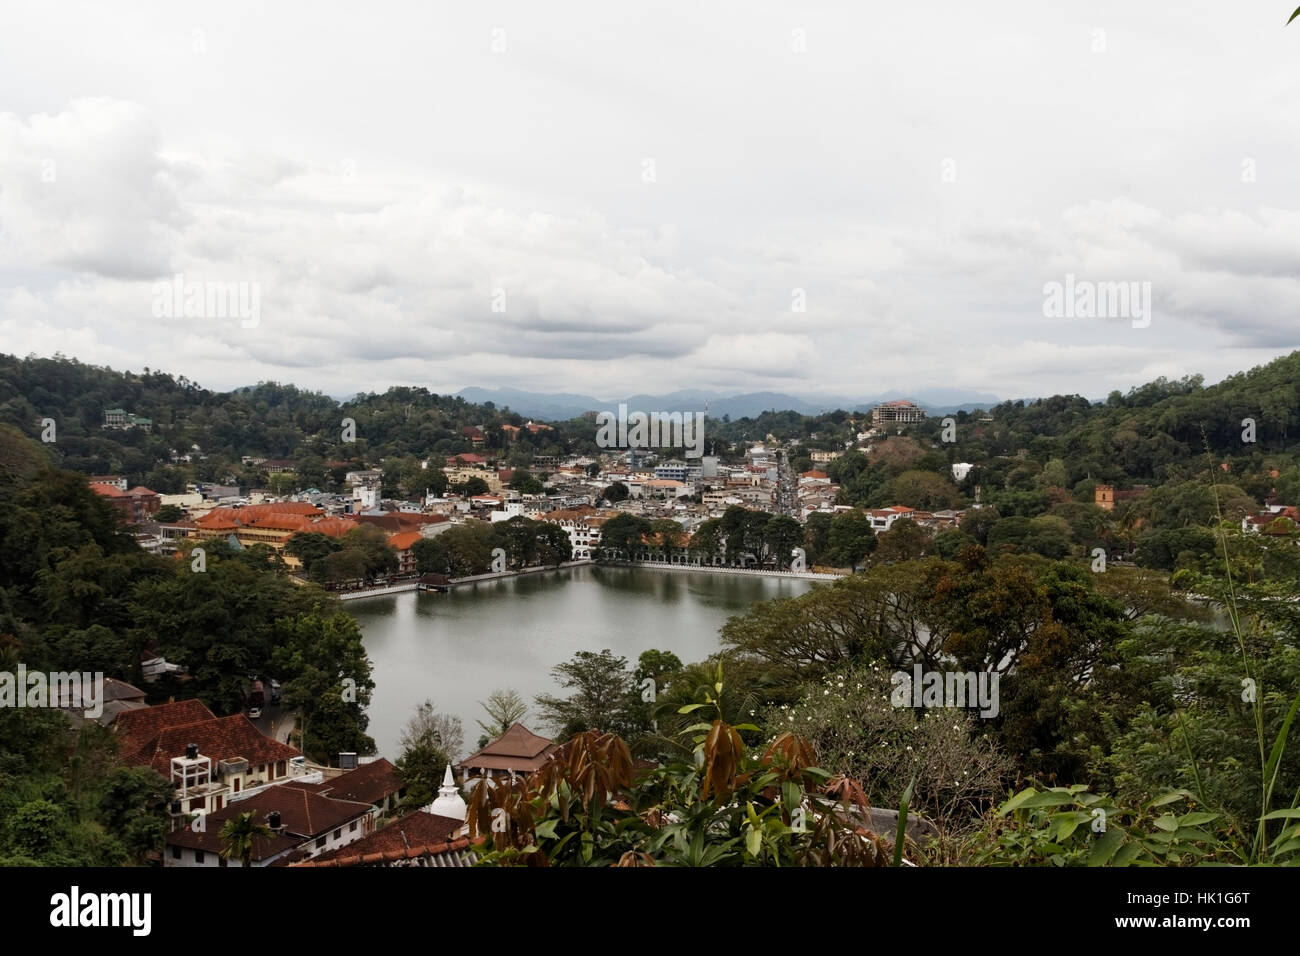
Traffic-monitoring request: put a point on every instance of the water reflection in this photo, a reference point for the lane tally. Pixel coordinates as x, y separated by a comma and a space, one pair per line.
457, 648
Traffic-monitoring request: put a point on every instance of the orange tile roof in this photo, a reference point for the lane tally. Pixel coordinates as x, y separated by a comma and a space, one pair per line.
334, 527
108, 491
403, 541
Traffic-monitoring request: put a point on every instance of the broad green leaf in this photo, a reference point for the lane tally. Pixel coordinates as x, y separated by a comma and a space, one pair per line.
1105, 847
1048, 798
1127, 854
1015, 802
1170, 797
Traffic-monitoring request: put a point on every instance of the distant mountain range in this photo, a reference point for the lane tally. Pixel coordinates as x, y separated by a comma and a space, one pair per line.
561, 406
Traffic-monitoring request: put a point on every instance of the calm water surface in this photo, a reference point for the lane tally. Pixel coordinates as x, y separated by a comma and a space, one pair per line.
457, 648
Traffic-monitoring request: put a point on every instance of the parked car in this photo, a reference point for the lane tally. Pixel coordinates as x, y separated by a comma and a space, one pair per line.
254, 713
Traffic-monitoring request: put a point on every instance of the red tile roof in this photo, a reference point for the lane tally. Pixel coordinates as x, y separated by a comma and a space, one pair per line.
219, 738
303, 814
415, 830
370, 783
136, 728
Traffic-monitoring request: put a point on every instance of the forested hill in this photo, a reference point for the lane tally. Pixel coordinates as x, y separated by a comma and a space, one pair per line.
1163, 420
268, 420
1131, 436
1154, 432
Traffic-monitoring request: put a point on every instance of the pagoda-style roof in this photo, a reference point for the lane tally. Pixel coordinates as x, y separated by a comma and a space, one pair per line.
518, 749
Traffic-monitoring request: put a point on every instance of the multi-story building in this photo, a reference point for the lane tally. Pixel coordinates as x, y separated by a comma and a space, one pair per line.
209, 760
271, 524
677, 471
882, 519
583, 526
900, 412
303, 823
135, 505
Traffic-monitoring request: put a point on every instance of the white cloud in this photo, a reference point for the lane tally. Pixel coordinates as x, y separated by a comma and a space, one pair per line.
386, 183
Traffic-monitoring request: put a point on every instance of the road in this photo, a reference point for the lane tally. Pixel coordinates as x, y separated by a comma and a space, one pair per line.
276, 722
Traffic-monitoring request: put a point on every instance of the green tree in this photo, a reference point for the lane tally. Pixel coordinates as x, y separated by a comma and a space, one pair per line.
239, 834
309, 547
429, 742
327, 680
504, 708
431, 556
923, 490
817, 536
850, 539
781, 536
601, 686
904, 541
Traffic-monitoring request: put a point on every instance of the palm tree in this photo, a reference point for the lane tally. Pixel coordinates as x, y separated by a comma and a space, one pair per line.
237, 835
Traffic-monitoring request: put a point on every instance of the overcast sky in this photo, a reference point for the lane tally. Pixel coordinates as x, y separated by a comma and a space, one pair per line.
649, 195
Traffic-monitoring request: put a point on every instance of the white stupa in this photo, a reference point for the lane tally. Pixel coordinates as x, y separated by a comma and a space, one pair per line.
449, 802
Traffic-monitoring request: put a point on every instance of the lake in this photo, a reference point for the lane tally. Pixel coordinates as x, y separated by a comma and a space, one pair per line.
457, 648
